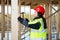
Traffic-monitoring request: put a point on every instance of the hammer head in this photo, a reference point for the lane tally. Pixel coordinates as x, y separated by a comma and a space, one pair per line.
22, 13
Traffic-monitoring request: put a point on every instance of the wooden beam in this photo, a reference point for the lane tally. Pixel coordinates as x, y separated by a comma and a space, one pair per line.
47, 20
35, 1
59, 18
40, 1
20, 27
6, 2
0, 1
22, 3
28, 3
50, 12
7, 22
14, 20
47, 13
57, 25
53, 14
3, 19
59, 15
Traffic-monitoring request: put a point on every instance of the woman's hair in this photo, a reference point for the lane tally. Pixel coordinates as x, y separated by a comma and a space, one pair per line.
40, 14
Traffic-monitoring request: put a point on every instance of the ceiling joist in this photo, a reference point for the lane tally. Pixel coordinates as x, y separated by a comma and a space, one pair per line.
34, 2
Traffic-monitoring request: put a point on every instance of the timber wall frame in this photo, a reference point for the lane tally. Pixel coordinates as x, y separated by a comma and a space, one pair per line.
17, 29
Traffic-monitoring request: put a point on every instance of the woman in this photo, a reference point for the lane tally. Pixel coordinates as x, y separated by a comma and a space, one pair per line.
37, 25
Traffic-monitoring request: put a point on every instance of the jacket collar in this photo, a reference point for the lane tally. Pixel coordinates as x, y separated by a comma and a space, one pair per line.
37, 18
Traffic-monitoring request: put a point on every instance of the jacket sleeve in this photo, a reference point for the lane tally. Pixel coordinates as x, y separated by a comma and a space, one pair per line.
23, 21
34, 24
31, 24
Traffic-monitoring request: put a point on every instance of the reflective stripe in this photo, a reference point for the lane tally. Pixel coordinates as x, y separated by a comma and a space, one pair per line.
33, 30
38, 39
42, 25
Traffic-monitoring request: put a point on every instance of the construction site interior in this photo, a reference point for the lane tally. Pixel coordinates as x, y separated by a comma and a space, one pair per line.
11, 29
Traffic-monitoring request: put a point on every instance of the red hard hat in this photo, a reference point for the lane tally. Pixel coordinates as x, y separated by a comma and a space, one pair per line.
40, 9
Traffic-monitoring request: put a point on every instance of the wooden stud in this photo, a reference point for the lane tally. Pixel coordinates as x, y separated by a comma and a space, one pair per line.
58, 21
20, 27
57, 25
14, 20
47, 20
51, 23
3, 19
59, 12
7, 22
50, 11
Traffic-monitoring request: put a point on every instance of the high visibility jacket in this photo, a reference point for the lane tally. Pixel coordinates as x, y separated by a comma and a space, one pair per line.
38, 27
41, 32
